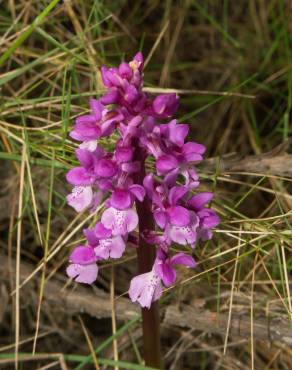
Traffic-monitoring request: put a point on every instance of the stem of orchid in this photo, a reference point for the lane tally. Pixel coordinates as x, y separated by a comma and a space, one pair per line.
146, 256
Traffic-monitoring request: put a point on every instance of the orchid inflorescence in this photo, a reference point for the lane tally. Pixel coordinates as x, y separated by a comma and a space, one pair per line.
180, 214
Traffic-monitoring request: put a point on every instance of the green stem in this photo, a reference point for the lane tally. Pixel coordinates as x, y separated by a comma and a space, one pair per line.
146, 256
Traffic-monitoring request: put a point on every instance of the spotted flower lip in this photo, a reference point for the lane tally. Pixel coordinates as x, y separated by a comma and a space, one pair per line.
145, 288
121, 222
80, 198
85, 274
150, 161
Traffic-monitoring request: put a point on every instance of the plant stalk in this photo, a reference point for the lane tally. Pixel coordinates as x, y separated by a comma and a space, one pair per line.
146, 256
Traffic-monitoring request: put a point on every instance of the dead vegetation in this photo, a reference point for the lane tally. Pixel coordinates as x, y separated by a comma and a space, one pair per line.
231, 64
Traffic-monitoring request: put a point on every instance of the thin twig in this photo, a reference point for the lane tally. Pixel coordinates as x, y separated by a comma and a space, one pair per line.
231, 302
286, 279
18, 247
252, 313
154, 47
114, 323
88, 340
161, 90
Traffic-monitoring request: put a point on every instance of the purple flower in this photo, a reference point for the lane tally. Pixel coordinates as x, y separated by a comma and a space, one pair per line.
80, 198
105, 244
86, 274
165, 105
124, 198
208, 219
174, 133
198, 201
83, 255
166, 208
99, 123
124, 84
121, 222
98, 171
184, 234
144, 131
80, 176
84, 175
83, 267
145, 288
164, 265
179, 161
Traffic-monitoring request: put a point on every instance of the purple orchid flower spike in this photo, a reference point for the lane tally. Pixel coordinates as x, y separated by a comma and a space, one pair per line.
124, 84
145, 132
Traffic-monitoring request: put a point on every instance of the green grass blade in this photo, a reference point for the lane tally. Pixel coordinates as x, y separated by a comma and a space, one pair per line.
20, 40
108, 341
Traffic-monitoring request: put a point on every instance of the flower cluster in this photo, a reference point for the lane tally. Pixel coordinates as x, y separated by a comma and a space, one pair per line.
145, 129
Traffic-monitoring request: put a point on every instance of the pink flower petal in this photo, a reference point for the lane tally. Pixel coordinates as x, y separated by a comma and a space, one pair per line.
176, 193
138, 191
179, 216
124, 154
120, 222
166, 273
82, 255
102, 232
86, 274
198, 201
105, 168
80, 198
182, 235
177, 132
85, 157
110, 248
183, 259
89, 145
166, 163
121, 199
79, 176
145, 289
96, 108
160, 218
